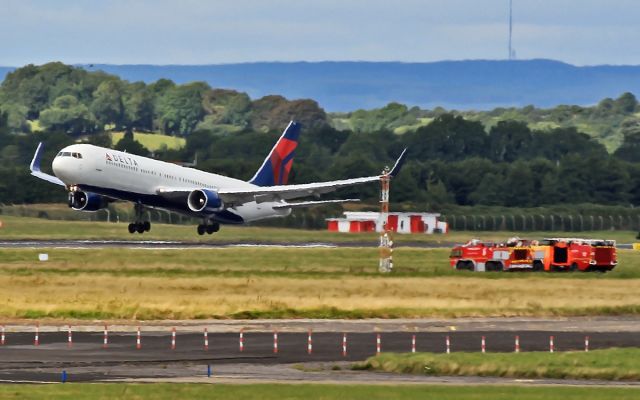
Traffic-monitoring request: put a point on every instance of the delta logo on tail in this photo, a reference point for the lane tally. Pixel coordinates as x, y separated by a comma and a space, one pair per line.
276, 167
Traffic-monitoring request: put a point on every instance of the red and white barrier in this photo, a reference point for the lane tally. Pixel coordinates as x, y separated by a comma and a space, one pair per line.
344, 345
517, 344
551, 347
206, 339
586, 343
105, 339
138, 340
36, 340
2, 337
378, 344
69, 338
309, 343
241, 340
484, 345
275, 342
448, 342
413, 343
173, 338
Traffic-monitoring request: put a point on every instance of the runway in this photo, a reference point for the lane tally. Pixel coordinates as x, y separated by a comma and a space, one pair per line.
214, 244
87, 360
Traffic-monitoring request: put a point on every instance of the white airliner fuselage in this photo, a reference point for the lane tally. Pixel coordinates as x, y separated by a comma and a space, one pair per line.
139, 179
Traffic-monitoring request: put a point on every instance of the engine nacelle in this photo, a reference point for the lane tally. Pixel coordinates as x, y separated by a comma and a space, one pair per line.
86, 201
204, 200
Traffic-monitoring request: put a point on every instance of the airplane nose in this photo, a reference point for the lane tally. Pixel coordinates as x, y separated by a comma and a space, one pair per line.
61, 168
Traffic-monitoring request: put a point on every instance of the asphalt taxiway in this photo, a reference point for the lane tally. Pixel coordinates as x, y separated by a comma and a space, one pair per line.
86, 359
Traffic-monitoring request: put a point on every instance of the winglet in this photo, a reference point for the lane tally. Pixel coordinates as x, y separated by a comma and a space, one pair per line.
35, 167
35, 163
398, 164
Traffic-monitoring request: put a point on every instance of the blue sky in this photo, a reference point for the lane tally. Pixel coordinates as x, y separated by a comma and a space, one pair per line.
581, 32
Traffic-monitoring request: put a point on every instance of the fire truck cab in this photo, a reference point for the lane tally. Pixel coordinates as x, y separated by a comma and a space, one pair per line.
472, 255
603, 255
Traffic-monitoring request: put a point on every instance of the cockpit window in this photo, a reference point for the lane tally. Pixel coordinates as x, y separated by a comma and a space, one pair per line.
69, 154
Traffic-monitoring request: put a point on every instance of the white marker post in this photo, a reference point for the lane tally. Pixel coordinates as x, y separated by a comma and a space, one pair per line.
241, 340
551, 349
344, 345
378, 344
586, 343
413, 343
36, 340
448, 342
69, 339
309, 343
105, 341
139, 340
206, 339
484, 345
2, 338
517, 344
173, 338
275, 342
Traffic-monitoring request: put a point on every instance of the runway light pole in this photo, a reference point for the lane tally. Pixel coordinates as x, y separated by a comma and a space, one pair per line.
386, 243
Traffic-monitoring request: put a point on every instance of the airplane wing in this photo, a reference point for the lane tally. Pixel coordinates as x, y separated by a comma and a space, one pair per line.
304, 204
35, 167
261, 194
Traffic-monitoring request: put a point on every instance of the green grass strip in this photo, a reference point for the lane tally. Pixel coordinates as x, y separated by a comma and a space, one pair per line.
162, 391
610, 364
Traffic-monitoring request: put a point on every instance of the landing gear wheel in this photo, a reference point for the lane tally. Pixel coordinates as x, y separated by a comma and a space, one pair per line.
132, 228
201, 229
140, 228
215, 227
146, 226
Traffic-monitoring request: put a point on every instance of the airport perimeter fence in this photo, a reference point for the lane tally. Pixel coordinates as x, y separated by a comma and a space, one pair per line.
621, 219
544, 222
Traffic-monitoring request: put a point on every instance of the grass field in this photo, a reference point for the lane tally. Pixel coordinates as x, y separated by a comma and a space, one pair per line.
306, 392
290, 282
152, 141
283, 282
38, 228
610, 364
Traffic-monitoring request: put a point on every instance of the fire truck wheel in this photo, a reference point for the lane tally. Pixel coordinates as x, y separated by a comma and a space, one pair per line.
574, 267
538, 266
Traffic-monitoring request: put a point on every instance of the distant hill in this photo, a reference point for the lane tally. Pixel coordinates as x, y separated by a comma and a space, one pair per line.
462, 85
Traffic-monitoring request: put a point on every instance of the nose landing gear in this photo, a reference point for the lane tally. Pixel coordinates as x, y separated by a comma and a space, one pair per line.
139, 226
208, 227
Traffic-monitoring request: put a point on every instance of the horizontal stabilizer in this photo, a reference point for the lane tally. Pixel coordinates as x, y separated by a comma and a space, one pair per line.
304, 204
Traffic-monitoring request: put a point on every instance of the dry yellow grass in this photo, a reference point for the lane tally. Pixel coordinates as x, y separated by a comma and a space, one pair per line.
103, 296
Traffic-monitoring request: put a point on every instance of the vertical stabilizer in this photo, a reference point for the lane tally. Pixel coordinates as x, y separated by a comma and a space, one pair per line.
276, 167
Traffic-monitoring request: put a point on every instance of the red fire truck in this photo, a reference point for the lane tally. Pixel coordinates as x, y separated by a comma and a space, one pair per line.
603, 255
562, 254
481, 256
472, 255
551, 254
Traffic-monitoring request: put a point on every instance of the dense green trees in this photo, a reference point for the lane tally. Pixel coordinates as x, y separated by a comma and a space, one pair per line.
507, 157
106, 102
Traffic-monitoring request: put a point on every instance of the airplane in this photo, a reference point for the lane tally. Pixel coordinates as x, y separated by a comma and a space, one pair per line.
96, 176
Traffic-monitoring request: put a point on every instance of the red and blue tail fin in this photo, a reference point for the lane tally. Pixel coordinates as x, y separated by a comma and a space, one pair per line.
276, 167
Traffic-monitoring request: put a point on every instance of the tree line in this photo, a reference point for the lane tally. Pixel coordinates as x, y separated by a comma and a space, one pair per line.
453, 160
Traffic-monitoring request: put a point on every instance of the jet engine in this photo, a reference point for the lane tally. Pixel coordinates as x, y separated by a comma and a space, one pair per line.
86, 201
204, 200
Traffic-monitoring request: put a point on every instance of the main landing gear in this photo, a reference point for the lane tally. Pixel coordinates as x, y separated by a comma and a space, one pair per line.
208, 227
139, 226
